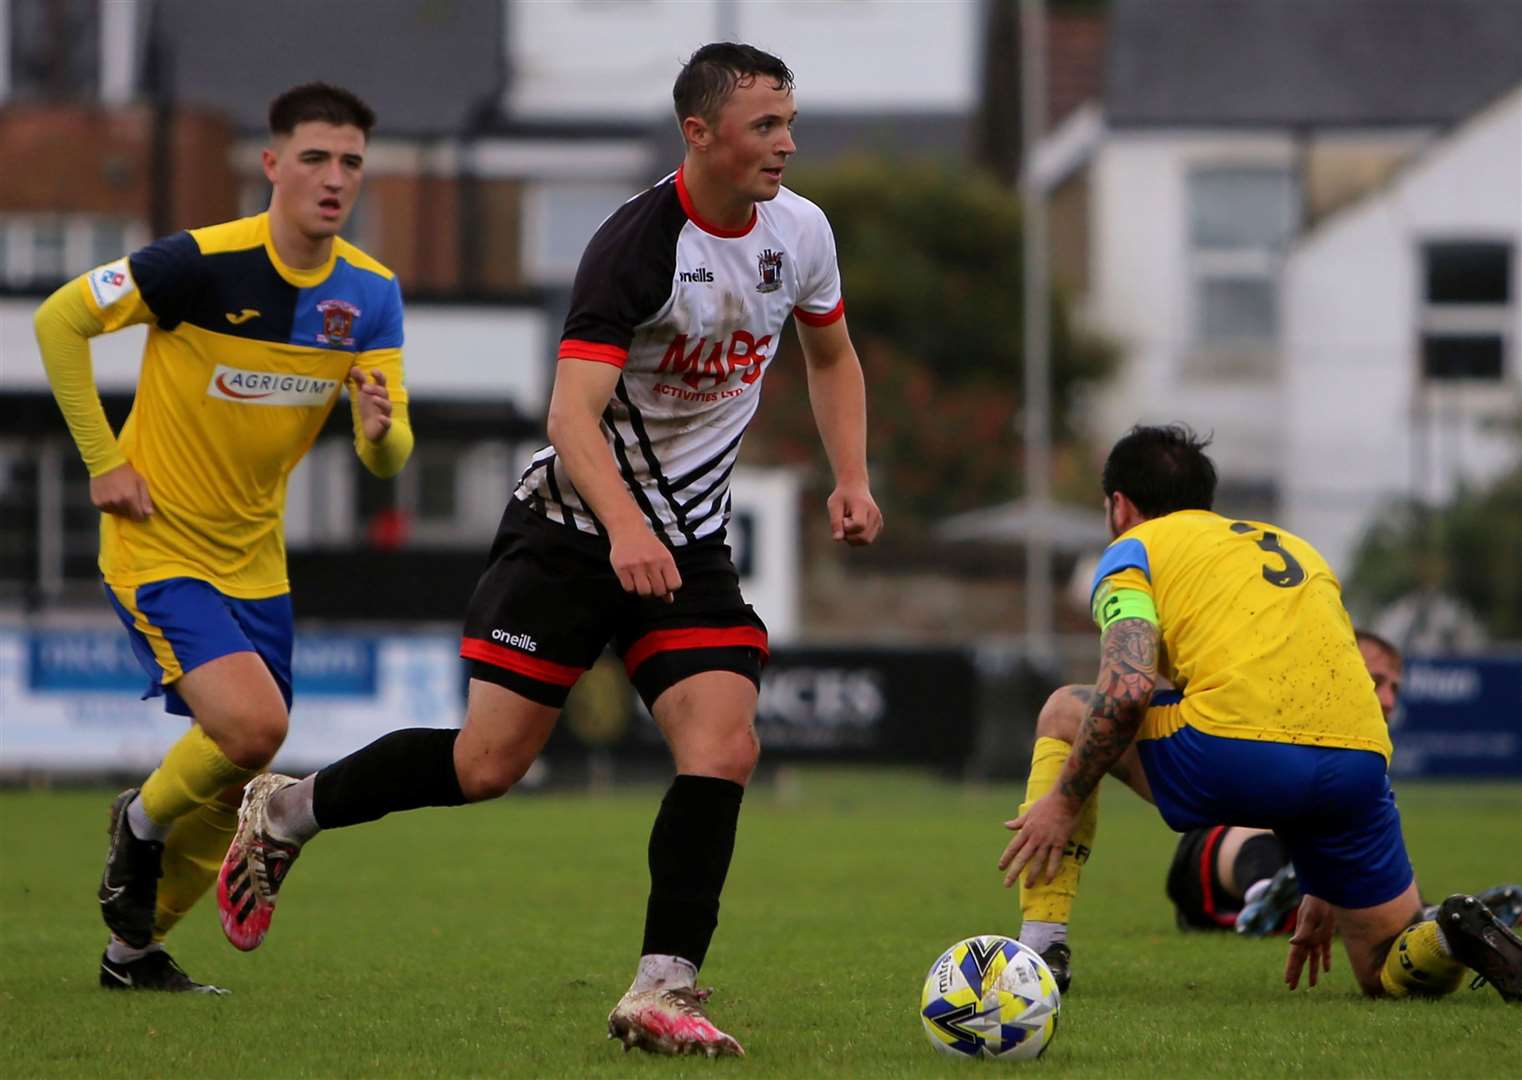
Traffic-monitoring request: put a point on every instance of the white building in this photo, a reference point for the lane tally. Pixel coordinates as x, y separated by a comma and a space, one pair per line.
615, 61
1402, 334
552, 112
1230, 130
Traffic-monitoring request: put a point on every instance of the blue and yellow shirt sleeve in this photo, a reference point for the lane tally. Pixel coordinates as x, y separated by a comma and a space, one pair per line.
154, 284
143, 287
1122, 586
382, 352
168, 273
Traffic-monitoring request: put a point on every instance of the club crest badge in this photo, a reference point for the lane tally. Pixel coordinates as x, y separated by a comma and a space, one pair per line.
337, 322
770, 264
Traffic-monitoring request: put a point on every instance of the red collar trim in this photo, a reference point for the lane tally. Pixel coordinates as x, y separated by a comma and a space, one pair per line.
692, 212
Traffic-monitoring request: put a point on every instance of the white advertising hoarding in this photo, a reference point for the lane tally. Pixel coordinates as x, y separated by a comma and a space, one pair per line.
69, 698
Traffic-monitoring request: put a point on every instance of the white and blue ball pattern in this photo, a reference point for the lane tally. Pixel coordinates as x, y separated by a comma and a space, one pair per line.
990, 996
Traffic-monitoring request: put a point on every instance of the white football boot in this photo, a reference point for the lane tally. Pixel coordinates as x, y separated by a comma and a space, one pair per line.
256, 864
669, 1021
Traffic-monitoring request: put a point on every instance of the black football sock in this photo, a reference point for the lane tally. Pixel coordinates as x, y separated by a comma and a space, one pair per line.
1260, 857
690, 847
400, 771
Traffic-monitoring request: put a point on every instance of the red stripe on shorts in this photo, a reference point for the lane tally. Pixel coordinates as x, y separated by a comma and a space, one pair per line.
698, 637
546, 671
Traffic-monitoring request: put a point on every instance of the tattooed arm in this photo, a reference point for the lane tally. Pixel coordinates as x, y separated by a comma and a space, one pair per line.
1127, 674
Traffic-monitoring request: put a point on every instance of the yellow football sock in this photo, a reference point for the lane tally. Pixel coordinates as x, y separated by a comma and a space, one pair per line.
1053, 901
192, 774
1417, 964
193, 853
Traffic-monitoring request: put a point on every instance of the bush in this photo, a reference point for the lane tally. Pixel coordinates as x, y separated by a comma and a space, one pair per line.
931, 262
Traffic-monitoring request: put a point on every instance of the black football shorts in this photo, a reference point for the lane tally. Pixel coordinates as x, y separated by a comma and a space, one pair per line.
549, 603
1199, 897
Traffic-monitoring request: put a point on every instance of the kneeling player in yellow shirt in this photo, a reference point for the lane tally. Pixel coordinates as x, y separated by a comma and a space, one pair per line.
1274, 724
1230, 877
253, 327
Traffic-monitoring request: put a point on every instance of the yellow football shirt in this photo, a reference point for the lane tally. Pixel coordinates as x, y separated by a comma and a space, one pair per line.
1253, 630
244, 361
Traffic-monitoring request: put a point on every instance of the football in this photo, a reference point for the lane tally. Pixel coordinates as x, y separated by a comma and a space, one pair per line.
990, 996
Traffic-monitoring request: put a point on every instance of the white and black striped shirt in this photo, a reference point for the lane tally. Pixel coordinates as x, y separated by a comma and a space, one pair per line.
693, 314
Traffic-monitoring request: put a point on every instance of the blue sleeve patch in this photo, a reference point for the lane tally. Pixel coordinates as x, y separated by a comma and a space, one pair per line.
1121, 556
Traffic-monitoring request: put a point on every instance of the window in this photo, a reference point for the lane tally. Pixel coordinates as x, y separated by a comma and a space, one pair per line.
421, 505
1248, 498
49, 532
1466, 309
54, 50
19, 510
48, 256
1240, 220
109, 239
46, 249
436, 495
561, 219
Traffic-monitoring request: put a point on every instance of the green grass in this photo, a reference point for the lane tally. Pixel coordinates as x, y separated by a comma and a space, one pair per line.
492, 940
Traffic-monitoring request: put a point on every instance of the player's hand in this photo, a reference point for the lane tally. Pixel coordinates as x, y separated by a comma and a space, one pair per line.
1311, 941
122, 491
374, 403
1041, 836
644, 565
854, 516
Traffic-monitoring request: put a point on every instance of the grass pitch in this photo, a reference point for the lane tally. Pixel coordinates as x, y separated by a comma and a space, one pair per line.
492, 940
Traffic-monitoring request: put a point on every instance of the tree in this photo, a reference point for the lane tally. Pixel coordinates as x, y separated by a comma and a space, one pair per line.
931, 261
1467, 548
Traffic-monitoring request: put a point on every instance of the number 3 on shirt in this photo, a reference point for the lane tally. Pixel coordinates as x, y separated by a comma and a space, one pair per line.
1287, 578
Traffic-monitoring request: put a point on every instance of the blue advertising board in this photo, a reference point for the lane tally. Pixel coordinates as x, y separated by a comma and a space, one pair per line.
1459, 716
334, 665
69, 697
82, 661
101, 661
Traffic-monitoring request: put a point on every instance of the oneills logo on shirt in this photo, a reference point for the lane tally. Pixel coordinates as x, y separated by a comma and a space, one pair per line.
269, 387
518, 641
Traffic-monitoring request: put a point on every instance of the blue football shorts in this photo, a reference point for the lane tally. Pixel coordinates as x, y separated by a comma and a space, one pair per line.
1332, 808
178, 624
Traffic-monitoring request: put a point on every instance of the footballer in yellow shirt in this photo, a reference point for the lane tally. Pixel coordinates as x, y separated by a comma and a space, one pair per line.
1254, 634
255, 328
1272, 721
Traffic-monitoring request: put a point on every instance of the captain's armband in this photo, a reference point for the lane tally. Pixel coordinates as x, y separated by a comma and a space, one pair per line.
1112, 605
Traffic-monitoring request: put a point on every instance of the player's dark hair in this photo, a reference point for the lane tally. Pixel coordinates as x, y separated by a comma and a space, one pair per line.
1384, 645
322, 102
715, 71
1162, 469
